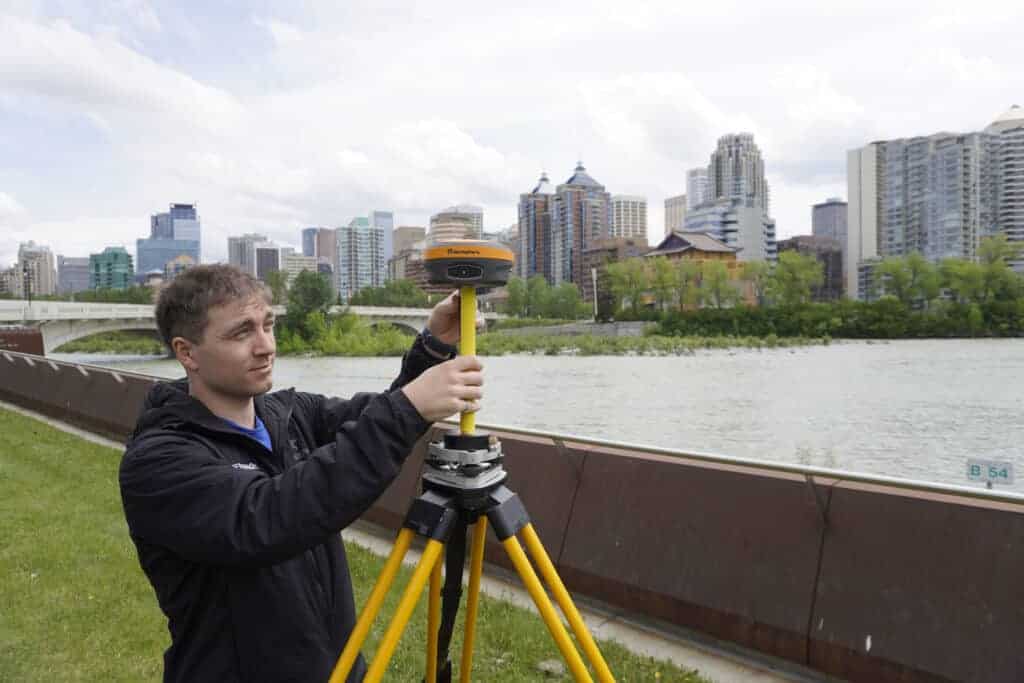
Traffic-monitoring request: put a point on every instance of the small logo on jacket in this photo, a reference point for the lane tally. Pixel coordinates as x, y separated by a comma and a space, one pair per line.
244, 466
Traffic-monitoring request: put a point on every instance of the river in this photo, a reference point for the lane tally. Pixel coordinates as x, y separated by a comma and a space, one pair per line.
912, 409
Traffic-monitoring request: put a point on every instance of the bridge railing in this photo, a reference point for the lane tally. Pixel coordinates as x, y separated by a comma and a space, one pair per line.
12, 311
857, 576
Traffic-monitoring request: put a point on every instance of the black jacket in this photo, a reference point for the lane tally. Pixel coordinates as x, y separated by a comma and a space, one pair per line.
240, 543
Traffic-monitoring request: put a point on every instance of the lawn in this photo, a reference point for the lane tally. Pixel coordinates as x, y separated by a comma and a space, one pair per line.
75, 606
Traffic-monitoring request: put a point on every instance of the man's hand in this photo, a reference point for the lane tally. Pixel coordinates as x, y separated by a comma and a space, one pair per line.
451, 387
444, 319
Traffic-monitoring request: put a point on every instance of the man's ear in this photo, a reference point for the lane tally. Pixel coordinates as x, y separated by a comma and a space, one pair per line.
183, 351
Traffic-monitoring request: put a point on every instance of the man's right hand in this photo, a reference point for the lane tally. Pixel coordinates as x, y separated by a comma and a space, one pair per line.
451, 387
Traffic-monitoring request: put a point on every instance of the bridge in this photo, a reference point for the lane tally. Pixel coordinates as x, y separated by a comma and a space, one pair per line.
60, 322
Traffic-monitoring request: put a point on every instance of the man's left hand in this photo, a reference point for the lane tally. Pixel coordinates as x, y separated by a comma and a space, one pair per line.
444, 319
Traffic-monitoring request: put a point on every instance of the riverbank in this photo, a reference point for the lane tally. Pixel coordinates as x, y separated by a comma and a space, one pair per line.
389, 343
68, 560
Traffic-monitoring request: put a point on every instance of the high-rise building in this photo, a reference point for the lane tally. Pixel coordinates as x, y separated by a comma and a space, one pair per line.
406, 236
293, 264
361, 261
174, 233
446, 226
736, 172
534, 254
746, 228
268, 259
696, 187
72, 274
937, 195
629, 216
675, 214
242, 251
37, 261
1008, 131
828, 252
111, 269
476, 216
581, 214
409, 243
828, 219
309, 241
385, 222
9, 281
862, 215
735, 210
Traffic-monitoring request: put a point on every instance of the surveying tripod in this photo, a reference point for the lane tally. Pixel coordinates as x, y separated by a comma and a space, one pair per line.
463, 485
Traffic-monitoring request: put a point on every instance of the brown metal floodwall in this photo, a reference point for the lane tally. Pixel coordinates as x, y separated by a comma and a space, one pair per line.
861, 581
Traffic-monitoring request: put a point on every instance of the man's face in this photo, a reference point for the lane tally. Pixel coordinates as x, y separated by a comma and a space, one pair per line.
236, 355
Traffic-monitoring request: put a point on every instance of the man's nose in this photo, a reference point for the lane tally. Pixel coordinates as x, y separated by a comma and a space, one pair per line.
265, 343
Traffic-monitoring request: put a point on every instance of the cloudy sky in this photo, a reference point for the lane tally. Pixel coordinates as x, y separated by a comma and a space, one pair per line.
274, 116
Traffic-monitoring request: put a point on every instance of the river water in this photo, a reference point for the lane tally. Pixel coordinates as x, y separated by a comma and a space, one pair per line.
912, 409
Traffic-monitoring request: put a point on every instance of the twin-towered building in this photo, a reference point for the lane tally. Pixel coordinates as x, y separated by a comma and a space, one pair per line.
558, 225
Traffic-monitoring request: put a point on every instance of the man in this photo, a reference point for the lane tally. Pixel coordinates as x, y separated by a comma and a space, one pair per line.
235, 496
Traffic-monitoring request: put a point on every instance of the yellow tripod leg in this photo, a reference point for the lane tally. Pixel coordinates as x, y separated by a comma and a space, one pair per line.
467, 344
433, 622
373, 603
404, 611
554, 582
473, 601
547, 610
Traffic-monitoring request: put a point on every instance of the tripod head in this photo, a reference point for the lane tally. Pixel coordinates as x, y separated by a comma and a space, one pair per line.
466, 459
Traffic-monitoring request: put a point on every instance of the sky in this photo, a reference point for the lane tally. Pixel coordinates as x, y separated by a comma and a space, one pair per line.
276, 116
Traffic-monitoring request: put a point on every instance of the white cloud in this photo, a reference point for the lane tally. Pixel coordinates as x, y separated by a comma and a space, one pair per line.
316, 113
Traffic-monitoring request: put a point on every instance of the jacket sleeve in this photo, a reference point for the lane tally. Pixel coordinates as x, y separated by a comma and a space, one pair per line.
328, 415
179, 494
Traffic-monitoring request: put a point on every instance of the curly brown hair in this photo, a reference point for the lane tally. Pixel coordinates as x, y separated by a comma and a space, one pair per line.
182, 307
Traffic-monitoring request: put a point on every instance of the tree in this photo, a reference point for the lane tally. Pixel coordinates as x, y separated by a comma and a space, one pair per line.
715, 285
310, 293
518, 299
793, 277
628, 281
964, 279
538, 291
894, 278
395, 293
925, 280
564, 302
998, 280
664, 280
758, 274
687, 282
277, 281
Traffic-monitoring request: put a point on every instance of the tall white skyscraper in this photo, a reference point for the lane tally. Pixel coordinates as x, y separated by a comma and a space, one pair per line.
361, 261
696, 187
37, 261
475, 214
675, 213
629, 216
242, 251
736, 208
1008, 132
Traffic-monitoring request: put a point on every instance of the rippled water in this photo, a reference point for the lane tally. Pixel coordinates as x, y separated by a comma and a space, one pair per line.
915, 409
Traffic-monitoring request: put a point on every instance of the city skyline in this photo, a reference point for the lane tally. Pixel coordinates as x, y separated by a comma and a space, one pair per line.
84, 153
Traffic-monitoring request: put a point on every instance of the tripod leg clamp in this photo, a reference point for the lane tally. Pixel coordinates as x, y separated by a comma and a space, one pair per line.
508, 515
432, 516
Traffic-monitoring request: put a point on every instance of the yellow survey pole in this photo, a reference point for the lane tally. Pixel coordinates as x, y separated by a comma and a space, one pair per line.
467, 343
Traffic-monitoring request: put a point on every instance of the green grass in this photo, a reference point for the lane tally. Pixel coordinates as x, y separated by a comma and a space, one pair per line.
75, 606
498, 344
135, 342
